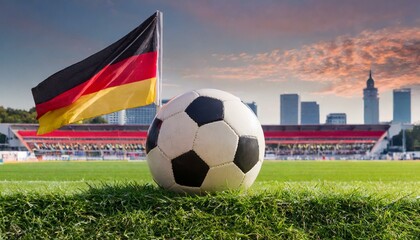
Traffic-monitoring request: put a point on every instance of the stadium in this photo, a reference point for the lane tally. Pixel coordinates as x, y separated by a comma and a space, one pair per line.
127, 142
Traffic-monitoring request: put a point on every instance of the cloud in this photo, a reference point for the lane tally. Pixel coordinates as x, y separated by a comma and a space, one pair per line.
257, 19
170, 85
341, 64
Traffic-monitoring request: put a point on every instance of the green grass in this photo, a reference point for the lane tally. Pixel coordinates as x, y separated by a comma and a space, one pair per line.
340, 171
67, 177
271, 171
289, 200
75, 171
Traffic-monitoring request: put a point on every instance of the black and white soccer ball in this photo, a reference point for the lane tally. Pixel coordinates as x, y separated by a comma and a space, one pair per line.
205, 140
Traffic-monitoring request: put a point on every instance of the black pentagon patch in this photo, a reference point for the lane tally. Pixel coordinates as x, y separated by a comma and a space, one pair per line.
205, 110
247, 153
153, 134
189, 169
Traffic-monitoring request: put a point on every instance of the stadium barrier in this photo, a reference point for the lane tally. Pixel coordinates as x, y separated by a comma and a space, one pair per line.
89, 155
17, 156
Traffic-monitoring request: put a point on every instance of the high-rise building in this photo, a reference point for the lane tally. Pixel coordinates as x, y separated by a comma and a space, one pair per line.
253, 107
289, 109
309, 113
402, 105
141, 115
115, 117
371, 102
336, 118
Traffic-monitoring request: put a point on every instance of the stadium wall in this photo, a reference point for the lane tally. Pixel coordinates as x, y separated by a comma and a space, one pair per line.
13, 142
17, 156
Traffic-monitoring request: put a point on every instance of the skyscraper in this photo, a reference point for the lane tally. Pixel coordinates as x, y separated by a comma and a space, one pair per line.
402, 105
309, 113
116, 117
289, 109
336, 118
141, 115
253, 107
371, 102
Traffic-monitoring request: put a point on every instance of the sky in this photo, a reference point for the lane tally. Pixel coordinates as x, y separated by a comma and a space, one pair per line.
322, 50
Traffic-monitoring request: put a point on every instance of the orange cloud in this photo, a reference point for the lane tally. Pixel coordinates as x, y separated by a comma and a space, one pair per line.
254, 19
342, 64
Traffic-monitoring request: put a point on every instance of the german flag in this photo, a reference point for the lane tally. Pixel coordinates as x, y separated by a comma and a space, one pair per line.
121, 76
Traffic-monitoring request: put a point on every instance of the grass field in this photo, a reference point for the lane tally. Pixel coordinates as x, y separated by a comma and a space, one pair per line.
297, 200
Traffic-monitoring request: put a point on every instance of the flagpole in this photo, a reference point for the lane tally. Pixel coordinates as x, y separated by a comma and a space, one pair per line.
160, 60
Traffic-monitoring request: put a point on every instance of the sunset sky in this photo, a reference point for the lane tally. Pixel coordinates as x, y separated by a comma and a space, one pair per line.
257, 50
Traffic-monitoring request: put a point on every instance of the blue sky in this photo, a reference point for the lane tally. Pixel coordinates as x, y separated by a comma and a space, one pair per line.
257, 50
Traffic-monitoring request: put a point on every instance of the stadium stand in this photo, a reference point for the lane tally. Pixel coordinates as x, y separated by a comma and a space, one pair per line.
104, 141
85, 142
325, 141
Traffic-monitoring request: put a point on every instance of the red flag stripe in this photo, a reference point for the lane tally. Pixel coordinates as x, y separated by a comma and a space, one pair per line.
133, 69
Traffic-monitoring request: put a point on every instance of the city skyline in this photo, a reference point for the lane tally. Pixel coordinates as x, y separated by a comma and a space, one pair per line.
296, 112
321, 50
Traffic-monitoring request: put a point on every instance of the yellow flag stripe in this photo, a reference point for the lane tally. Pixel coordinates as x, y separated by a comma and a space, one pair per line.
99, 103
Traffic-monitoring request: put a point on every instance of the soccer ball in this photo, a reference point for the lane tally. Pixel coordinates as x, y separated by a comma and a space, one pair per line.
205, 140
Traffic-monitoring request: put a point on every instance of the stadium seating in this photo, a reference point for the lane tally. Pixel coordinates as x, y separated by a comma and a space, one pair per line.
323, 141
103, 141
89, 142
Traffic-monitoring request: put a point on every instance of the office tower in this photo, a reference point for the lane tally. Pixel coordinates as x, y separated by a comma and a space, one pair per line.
309, 113
289, 109
253, 107
371, 102
336, 118
402, 105
116, 117
141, 115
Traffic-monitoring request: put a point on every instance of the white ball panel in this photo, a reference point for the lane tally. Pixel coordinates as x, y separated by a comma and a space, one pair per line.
161, 168
242, 119
216, 143
177, 135
176, 105
223, 177
251, 175
218, 94
244, 122
261, 144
